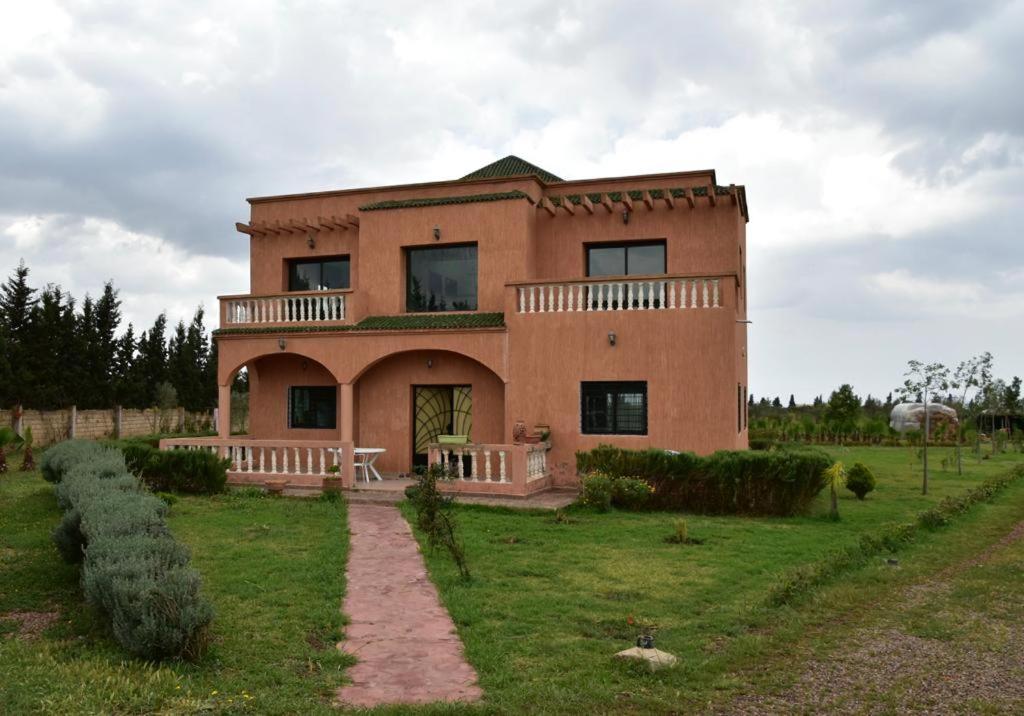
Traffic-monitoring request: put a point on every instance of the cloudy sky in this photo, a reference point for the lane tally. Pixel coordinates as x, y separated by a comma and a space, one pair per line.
881, 143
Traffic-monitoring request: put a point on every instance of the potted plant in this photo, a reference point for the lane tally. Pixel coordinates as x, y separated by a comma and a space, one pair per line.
332, 481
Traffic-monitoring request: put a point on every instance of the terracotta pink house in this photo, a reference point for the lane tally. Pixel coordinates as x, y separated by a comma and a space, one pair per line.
497, 323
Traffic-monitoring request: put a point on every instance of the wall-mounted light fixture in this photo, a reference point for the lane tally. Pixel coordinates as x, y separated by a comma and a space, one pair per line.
437, 233
611, 338
280, 343
625, 216
310, 241
430, 362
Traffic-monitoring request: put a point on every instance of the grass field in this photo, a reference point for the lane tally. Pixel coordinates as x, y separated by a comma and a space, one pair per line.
549, 602
273, 568
547, 606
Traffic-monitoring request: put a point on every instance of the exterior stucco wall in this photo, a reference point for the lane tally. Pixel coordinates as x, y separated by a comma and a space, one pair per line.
269, 380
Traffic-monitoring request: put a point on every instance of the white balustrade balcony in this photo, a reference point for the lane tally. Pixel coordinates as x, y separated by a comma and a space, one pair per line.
315, 307
647, 293
484, 464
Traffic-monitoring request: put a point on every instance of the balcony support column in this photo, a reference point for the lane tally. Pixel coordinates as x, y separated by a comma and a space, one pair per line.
347, 416
224, 410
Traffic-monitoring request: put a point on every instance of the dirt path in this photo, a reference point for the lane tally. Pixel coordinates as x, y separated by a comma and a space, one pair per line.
407, 649
966, 656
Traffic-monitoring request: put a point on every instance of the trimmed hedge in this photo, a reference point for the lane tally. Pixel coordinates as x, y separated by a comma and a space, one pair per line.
197, 472
133, 570
781, 482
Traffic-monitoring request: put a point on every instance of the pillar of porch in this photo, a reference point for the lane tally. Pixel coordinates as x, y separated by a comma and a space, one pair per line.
347, 413
224, 411
346, 417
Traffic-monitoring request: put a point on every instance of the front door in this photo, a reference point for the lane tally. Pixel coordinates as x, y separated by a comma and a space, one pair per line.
439, 410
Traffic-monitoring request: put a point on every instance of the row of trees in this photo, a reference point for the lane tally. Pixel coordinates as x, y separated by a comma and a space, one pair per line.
55, 352
971, 389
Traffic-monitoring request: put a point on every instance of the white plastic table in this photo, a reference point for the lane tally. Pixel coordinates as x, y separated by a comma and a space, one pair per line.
369, 456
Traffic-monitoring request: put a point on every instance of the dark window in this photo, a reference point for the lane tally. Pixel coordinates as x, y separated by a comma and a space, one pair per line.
635, 259
441, 278
318, 274
614, 408
313, 407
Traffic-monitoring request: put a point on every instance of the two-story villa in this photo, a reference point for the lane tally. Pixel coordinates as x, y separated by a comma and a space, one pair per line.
591, 311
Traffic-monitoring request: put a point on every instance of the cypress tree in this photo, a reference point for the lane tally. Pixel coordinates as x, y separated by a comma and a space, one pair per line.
17, 300
152, 360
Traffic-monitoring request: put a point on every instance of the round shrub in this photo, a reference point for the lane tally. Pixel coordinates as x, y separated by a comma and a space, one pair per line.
860, 480
62, 456
631, 493
597, 491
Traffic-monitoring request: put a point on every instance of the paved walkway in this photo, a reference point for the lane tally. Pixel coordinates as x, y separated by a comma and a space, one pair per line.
406, 644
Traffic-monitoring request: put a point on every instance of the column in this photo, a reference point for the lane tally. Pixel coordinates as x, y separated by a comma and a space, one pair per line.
347, 417
224, 411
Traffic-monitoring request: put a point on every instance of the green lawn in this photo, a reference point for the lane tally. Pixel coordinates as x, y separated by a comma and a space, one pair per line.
273, 568
547, 605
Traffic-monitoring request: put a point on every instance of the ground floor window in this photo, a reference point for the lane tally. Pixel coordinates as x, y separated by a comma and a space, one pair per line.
313, 406
618, 408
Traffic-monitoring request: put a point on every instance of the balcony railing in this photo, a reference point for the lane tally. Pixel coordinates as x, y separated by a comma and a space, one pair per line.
288, 308
646, 293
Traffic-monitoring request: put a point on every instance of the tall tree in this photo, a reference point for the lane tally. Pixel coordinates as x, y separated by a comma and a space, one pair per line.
792, 401
107, 319
842, 410
17, 299
967, 376
925, 380
51, 341
127, 381
152, 360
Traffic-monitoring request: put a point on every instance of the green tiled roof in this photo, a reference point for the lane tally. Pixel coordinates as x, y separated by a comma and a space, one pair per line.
512, 166
442, 200
406, 322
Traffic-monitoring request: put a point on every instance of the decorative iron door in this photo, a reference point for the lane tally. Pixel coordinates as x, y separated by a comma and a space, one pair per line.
439, 410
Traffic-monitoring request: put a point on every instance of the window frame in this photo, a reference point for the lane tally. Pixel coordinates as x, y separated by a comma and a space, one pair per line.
321, 260
626, 245
407, 254
615, 388
291, 407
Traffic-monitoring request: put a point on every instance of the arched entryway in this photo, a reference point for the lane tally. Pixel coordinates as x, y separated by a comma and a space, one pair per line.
292, 397
402, 400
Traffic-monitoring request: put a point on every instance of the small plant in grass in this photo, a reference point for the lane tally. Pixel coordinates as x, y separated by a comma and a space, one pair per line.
860, 480
7, 437
681, 534
597, 491
434, 517
28, 458
836, 478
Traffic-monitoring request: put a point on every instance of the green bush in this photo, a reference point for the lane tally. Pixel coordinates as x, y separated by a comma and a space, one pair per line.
193, 471
62, 456
133, 570
777, 482
860, 480
631, 493
597, 491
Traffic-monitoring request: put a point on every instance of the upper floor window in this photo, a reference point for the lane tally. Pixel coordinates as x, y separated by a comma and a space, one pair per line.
631, 259
441, 278
321, 274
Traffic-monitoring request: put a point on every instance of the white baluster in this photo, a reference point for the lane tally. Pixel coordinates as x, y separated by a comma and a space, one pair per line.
273, 460
284, 459
522, 299
672, 294
322, 461
714, 286
473, 465
309, 461
661, 294
704, 285
298, 463
487, 465
532, 291
458, 454
561, 297
341, 304
261, 460
693, 293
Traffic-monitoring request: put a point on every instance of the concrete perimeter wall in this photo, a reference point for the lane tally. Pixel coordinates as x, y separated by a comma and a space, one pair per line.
50, 426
